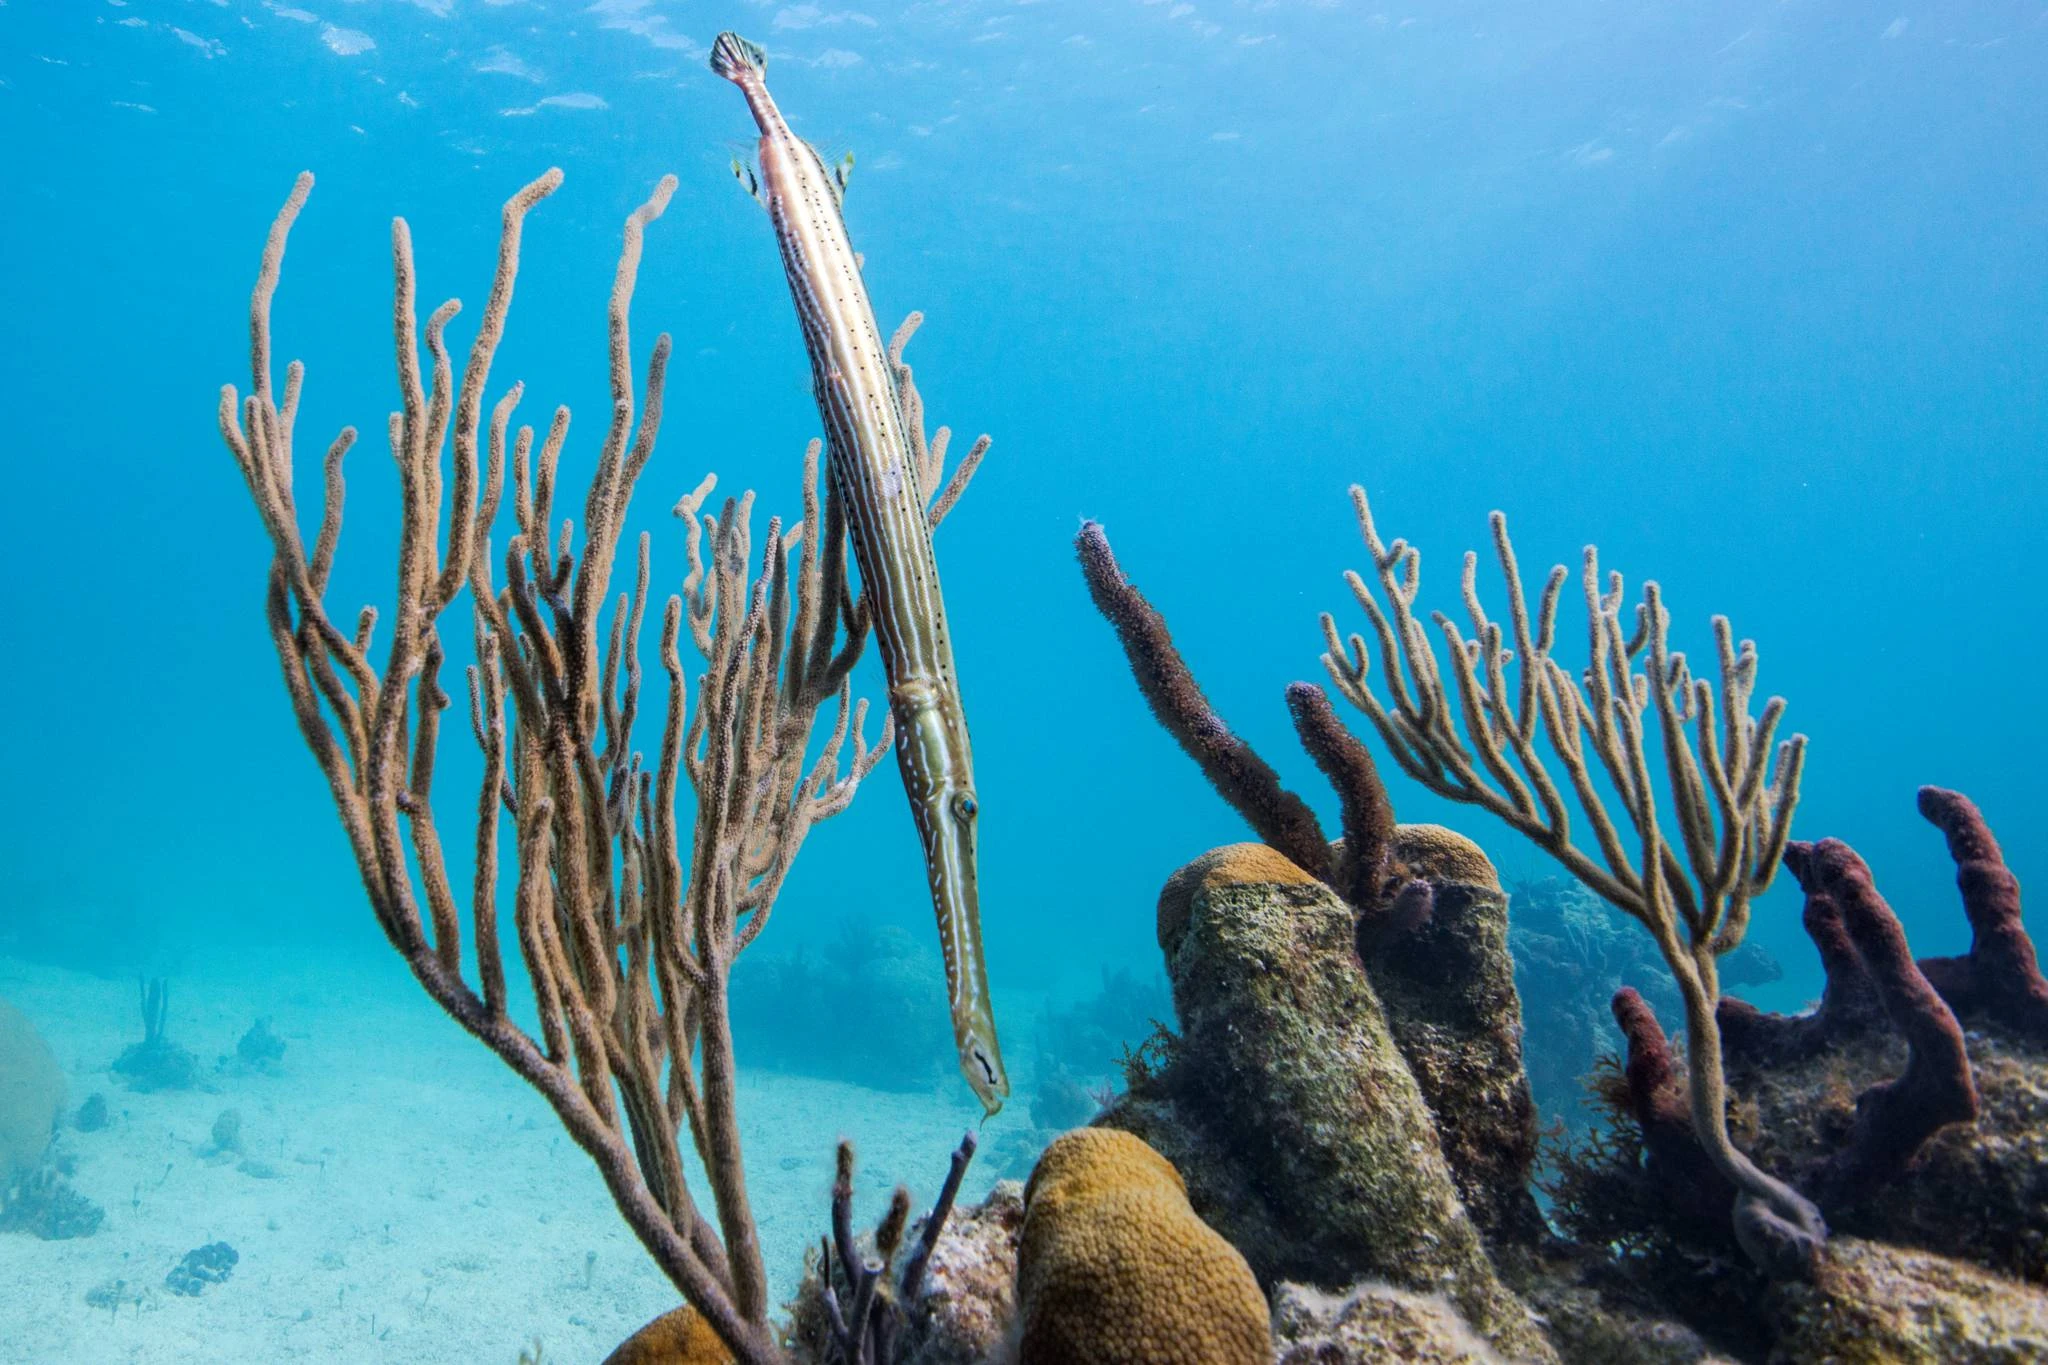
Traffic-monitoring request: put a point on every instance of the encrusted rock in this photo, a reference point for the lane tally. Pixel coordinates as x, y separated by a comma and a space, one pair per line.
1448, 988
1373, 1322
969, 1294
1877, 1303
1286, 1064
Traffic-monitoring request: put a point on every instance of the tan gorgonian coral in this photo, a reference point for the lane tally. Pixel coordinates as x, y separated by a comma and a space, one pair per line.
627, 924
1732, 785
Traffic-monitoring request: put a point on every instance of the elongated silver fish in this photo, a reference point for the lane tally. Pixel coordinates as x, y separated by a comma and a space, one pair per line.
869, 455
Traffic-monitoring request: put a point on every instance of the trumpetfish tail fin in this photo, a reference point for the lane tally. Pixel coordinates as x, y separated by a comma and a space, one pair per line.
734, 58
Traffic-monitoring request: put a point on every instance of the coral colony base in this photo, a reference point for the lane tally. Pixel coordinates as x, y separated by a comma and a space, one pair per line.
1331, 1152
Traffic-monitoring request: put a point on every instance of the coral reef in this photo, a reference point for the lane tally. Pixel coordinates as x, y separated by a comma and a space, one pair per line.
1339, 1113
31, 1093
92, 1115
202, 1266
225, 1139
854, 1305
1732, 790
1115, 1268
1866, 1103
970, 1283
1086, 1038
43, 1204
1573, 951
1469, 1053
157, 1063
259, 1049
1058, 1099
867, 1304
1678, 1246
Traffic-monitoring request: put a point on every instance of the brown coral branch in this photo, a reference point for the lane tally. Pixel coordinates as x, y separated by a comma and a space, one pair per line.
1361, 875
2001, 975
1233, 768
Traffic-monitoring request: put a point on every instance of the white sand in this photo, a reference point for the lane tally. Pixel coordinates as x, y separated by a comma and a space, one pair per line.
427, 1207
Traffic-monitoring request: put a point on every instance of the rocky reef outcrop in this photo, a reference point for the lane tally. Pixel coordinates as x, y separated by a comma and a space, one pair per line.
1287, 1103
1913, 1109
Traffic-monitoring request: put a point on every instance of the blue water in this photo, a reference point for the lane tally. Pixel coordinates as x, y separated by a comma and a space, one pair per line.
1749, 295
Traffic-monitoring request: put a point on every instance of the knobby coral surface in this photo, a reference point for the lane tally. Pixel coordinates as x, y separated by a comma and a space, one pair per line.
1116, 1269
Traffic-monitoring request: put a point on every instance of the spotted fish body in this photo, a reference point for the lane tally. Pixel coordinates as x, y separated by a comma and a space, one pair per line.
876, 476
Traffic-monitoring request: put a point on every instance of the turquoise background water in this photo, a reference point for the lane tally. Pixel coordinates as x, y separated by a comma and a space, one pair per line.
1750, 295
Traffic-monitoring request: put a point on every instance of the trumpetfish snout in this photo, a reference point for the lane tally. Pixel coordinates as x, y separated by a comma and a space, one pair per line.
869, 454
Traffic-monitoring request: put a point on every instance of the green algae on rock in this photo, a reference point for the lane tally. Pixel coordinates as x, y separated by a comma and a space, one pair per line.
1325, 1162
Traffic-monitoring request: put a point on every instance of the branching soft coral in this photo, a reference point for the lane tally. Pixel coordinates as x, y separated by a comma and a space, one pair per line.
1478, 737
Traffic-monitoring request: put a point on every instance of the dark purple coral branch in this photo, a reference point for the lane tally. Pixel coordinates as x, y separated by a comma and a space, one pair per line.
1233, 768
1893, 1118
1677, 1164
1364, 871
1849, 1002
2000, 976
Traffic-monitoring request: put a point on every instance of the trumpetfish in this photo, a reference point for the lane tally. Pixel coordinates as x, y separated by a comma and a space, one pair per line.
869, 457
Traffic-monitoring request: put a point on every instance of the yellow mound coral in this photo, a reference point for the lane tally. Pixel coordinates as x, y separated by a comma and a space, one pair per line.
31, 1093
1437, 854
678, 1337
1231, 864
1116, 1269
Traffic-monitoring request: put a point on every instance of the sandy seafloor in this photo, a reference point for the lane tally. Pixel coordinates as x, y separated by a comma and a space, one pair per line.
427, 1206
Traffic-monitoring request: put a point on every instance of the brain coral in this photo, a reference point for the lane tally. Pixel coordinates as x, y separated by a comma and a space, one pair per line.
678, 1337
1437, 854
1116, 1269
31, 1093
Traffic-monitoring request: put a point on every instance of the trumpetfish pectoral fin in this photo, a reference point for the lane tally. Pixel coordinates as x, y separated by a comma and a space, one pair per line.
744, 173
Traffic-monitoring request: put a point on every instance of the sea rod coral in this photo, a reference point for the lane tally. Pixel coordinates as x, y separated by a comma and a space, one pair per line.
627, 924
1733, 789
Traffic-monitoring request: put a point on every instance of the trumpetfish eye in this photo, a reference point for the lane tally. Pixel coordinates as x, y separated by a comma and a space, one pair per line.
964, 808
